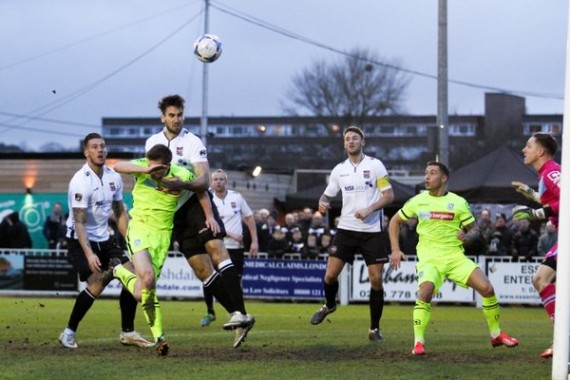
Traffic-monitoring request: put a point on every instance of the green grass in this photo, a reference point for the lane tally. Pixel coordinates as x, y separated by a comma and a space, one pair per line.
283, 344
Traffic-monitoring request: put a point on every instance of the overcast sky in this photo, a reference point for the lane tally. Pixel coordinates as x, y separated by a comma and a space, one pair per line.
65, 64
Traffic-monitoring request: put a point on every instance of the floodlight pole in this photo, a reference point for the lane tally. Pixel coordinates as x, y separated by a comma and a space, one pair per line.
562, 312
204, 118
442, 116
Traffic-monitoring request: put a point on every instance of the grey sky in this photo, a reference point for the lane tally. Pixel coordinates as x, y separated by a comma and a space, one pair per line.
78, 61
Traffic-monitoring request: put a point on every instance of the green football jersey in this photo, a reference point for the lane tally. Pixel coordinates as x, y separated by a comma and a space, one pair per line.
152, 204
439, 221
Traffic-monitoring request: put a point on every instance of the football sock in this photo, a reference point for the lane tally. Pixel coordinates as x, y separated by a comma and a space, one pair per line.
376, 303
215, 286
126, 277
548, 297
491, 312
330, 294
209, 299
83, 303
421, 317
128, 306
232, 283
152, 312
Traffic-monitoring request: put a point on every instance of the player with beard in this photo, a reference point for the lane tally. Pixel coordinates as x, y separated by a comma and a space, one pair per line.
200, 237
366, 190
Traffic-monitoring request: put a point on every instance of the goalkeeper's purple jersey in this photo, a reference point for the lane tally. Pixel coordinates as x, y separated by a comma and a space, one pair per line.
549, 188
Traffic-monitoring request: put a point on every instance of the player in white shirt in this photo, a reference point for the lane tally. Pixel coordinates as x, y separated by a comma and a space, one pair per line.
234, 212
200, 232
366, 190
94, 191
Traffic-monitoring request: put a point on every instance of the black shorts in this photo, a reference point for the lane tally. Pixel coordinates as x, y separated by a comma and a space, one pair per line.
190, 229
373, 246
550, 262
104, 251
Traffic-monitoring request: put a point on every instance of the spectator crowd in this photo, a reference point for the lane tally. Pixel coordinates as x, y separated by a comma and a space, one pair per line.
306, 234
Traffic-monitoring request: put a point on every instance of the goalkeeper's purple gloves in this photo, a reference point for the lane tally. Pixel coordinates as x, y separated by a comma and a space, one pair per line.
524, 212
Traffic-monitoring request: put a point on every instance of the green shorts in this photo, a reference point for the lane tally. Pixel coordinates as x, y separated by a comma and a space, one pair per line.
457, 269
155, 241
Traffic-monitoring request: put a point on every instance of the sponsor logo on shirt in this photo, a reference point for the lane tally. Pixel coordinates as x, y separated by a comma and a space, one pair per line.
357, 188
442, 215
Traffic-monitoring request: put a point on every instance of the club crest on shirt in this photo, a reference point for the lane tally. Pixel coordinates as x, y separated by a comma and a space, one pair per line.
366, 174
112, 186
450, 206
203, 153
78, 197
179, 150
554, 176
234, 205
137, 242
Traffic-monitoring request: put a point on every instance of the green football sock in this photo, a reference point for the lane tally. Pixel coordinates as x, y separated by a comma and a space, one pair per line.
152, 312
421, 316
492, 314
126, 277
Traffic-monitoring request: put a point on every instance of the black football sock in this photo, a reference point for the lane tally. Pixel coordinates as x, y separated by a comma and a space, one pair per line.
330, 294
215, 286
376, 304
209, 299
83, 303
233, 286
128, 306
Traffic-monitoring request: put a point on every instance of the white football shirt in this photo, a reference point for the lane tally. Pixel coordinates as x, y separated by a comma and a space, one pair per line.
96, 195
361, 185
231, 210
186, 148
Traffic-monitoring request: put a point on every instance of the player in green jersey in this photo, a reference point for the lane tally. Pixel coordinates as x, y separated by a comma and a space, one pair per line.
445, 221
150, 230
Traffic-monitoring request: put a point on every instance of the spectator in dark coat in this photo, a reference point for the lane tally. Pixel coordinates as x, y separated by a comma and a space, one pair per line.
14, 233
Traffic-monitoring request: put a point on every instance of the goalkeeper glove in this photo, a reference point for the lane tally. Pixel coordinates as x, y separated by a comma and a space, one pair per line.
523, 212
526, 191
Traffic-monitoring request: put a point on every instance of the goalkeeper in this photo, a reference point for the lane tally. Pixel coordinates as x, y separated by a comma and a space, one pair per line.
538, 153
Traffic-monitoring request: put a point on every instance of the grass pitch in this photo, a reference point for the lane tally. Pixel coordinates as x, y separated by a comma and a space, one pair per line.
282, 345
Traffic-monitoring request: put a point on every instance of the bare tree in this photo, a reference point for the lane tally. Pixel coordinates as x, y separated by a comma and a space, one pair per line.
351, 89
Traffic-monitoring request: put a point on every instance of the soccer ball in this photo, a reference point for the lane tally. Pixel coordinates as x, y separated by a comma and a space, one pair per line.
208, 48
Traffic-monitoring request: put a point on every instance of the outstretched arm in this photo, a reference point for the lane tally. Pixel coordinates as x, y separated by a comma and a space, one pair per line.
127, 167
200, 183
